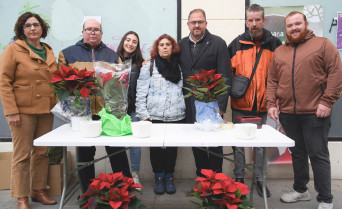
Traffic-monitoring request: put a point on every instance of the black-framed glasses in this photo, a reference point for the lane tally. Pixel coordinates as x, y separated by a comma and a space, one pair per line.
200, 22
29, 25
90, 30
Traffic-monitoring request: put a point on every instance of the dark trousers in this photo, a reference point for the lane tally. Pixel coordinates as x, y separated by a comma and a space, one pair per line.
163, 159
205, 160
118, 162
311, 141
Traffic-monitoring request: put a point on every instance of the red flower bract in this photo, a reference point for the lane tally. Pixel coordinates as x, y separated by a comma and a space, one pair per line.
71, 82
206, 86
112, 189
219, 189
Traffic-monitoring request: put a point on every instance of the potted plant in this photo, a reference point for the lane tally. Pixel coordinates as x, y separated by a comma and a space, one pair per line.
216, 190
73, 87
206, 87
111, 190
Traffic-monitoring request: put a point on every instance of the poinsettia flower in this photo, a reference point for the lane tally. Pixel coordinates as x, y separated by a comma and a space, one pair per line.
206, 86
218, 189
69, 81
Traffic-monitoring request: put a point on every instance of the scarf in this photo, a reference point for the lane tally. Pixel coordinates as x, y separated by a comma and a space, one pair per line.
169, 70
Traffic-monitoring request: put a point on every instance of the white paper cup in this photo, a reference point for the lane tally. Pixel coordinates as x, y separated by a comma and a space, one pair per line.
245, 130
91, 128
141, 129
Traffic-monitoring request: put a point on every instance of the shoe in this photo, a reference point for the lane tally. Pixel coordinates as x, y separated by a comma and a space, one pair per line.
23, 203
159, 187
42, 197
293, 196
241, 180
323, 205
136, 180
258, 186
169, 184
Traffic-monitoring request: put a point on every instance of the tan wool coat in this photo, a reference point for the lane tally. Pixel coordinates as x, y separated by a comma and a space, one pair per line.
25, 78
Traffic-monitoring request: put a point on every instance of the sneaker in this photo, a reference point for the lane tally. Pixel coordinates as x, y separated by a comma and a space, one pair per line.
136, 180
323, 205
159, 186
293, 196
169, 184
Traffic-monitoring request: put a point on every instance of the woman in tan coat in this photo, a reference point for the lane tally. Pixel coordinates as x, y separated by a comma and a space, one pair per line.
26, 67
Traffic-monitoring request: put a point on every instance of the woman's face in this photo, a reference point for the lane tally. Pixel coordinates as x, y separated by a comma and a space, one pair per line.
130, 44
165, 48
32, 29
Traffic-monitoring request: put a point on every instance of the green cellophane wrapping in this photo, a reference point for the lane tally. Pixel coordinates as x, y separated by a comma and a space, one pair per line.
112, 126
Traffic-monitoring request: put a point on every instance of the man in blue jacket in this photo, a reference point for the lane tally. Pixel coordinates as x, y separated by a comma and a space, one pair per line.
202, 50
80, 56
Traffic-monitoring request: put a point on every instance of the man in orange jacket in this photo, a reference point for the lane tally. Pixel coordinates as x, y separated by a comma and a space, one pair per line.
243, 51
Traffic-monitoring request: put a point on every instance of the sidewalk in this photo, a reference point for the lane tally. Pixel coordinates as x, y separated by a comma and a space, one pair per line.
181, 200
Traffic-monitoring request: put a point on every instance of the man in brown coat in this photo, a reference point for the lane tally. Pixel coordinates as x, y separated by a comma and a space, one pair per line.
306, 76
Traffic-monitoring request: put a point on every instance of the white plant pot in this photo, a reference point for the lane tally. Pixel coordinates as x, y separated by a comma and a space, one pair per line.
141, 129
75, 122
245, 130
91, 128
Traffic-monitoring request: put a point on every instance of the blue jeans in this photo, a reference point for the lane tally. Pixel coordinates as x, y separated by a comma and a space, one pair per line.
135, 152
311, 142
239, 152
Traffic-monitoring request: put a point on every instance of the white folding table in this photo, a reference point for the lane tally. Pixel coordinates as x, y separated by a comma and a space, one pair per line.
167, 135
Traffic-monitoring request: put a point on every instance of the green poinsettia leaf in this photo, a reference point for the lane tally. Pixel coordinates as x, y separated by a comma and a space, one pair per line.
204, 90
62, 95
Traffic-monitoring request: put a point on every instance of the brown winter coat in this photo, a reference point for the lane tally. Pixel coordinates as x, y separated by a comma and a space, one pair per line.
25, 78
305, 75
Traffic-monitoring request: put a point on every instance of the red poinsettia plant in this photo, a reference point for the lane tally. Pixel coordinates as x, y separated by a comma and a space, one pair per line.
111, 190
206, 86
72, 82
216, 190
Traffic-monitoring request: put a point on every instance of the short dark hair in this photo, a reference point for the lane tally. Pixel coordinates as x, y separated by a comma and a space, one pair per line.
19, 30
197, 10
138, 56
294, 13
256, 8
175, 47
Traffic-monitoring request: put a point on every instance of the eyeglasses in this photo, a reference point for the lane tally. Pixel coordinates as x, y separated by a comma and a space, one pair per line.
90, 30
29, 25
197, 22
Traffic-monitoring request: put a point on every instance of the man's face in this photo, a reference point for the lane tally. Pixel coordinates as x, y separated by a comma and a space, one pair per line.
255, 23
197, 25
296, 28
92, 33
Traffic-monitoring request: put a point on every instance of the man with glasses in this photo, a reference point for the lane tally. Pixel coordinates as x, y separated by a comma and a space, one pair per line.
203, 50
243, 51
80, 56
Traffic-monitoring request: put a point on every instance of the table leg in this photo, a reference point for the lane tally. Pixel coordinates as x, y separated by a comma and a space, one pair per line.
253, 178
264, 176
65, 161
77, 173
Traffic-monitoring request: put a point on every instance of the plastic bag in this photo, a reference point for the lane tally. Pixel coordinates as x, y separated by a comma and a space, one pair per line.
113, 80
112, 126
69, 107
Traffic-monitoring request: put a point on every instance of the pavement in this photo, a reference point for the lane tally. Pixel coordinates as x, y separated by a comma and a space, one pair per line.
181, 199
